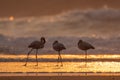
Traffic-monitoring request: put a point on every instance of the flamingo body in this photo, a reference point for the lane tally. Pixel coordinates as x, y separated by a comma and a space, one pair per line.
85, 46
36, 45
59, 47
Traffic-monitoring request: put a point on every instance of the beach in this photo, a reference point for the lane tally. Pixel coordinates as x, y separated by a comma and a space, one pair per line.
59, 40
99, 67
71, 64
60, 77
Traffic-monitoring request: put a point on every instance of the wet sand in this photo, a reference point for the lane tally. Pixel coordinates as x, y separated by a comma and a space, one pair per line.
61, 76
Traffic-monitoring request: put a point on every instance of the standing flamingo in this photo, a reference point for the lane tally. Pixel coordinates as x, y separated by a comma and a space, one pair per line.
36, 45
58, 47
84, 46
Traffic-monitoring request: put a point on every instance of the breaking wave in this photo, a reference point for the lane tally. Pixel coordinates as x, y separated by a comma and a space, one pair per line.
101, 27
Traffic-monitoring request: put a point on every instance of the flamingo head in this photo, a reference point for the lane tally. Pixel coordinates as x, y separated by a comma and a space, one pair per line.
80, 41
55, 42
43, 40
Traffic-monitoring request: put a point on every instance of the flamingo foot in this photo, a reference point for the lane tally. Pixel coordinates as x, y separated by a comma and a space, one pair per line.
25, 65
61, 65
36, 65
57, 65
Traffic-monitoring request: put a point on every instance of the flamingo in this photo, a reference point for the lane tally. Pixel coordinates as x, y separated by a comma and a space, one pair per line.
85, 46
59, 47
36, 45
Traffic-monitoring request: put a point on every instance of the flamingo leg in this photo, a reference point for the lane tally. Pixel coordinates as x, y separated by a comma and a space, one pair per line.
27, 57
60, 59
36, 57
86, 58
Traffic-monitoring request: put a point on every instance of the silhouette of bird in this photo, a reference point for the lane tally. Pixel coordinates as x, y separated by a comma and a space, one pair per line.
36, 45
85, 46
59, 47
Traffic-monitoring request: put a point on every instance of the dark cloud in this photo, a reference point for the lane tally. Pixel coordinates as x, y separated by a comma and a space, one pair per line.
23, 8
90, 23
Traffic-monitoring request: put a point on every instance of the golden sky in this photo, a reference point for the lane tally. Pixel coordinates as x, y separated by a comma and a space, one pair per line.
22, 8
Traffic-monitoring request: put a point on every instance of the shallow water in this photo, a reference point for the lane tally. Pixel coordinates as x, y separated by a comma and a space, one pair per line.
104, 64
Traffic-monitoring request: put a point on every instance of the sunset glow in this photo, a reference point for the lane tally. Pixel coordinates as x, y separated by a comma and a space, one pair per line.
95, 66
60, 36
11, 18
